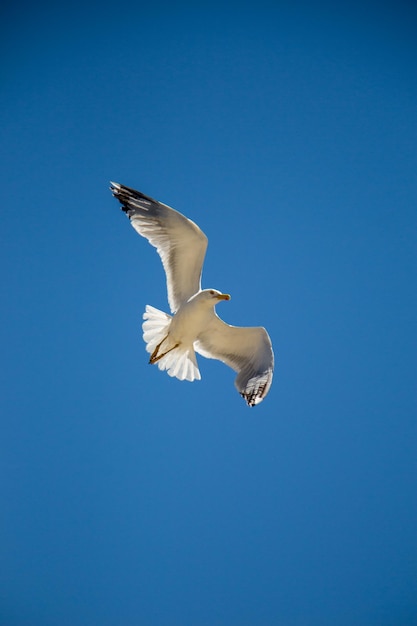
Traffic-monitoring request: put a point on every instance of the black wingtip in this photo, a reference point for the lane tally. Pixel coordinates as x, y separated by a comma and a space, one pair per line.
249, 399
127, 196
122, 193
256, 395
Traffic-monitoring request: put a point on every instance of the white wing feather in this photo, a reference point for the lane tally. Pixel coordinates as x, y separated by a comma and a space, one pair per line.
179, 242
246, 350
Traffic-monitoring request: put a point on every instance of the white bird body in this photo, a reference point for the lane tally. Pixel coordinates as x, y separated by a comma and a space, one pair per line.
194, 316
194, 327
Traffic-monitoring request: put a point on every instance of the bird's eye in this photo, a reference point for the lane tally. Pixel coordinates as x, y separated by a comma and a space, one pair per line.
211, 292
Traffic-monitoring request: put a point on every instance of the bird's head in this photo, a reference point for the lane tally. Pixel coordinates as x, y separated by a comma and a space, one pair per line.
212, 296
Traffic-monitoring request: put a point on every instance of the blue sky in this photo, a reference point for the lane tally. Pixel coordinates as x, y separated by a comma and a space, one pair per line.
287, 131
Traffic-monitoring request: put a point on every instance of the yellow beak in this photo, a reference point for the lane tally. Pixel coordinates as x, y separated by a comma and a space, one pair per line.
223, 296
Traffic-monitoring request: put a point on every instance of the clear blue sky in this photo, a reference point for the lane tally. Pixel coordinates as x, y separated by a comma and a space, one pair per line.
288, 132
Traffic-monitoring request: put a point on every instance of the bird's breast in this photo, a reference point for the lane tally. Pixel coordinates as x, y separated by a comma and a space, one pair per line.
189, 321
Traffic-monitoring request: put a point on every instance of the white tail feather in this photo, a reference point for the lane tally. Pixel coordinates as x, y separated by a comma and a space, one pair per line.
155, 327
181, 361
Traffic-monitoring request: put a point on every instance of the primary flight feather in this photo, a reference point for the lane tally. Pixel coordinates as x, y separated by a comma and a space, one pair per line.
172, 341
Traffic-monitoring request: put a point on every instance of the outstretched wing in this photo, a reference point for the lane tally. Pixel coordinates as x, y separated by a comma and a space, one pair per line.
179, 242
246, 350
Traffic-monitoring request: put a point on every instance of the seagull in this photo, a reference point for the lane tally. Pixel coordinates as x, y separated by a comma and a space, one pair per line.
194, 326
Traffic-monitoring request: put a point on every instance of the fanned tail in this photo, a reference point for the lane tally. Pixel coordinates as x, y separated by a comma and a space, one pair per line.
178, 360
155, 327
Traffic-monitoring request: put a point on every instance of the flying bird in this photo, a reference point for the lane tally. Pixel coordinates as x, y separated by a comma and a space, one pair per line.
194, 326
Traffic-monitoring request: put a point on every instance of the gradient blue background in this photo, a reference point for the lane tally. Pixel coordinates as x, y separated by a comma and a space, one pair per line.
288, 132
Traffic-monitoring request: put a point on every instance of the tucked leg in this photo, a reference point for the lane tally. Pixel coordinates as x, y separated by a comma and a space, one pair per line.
155, 356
